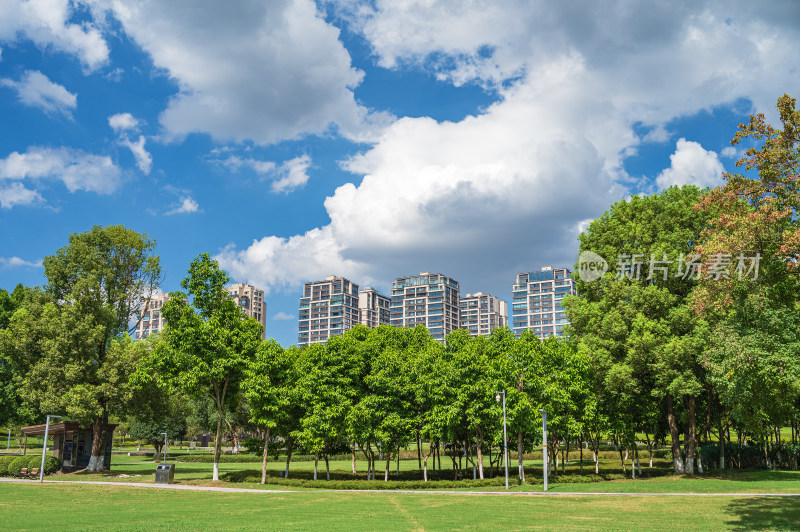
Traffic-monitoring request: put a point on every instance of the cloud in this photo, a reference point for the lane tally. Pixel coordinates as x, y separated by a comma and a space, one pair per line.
16, 262
282, 316
16, 194
691, 165
36, 90
729, 152
286, 177
507, 190
292, 174
266, 71
122, 122
46, 23
143, 158
76, 169
186, 205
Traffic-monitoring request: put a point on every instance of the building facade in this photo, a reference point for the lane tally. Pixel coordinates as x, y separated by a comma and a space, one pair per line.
481, 313
327, 308
251, 300
429, 299
373, 308
151, 320
537, 301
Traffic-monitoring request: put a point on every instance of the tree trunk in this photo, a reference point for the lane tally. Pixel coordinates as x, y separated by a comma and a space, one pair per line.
519, 456
649, 448
386, 471
354, 462
580, 444
327, 468
96, 461
288, 457
425, 469
721, 444
316, 463
691, 443
677, 459
419, 452
479, 443
264, 459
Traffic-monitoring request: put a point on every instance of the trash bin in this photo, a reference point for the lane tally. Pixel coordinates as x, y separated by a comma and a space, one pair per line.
165, 473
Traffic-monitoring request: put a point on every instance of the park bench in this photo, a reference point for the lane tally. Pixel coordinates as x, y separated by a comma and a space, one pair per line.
33, 473
22, 473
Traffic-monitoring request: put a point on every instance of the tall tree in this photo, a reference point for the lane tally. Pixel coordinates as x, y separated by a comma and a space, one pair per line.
266, 379
634, 322
207, 344
753, 303
61, 340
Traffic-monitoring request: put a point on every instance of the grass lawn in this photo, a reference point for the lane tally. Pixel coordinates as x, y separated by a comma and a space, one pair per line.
70, 507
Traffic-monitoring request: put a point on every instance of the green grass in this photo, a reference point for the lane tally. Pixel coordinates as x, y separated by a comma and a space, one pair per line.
70, 507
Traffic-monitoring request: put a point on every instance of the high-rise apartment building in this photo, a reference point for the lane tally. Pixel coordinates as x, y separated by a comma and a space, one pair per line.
481, 313
151, 320
429, 299
251, 300
537, 301
327, 308
373, 308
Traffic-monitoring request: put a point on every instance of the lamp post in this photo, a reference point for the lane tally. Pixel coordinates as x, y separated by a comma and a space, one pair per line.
505, 440
545, 457
164, 452
44, 447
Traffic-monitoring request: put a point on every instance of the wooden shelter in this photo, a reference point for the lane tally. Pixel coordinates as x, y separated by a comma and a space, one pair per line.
72, 444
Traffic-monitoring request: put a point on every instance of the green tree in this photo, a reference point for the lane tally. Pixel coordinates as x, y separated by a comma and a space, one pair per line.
207, 344
266, 379
61, 340
634, 323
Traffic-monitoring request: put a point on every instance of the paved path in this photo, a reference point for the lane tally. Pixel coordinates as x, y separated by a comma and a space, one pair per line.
414, 492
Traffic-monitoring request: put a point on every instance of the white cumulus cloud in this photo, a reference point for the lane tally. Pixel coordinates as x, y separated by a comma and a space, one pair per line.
122, 122
691, 164
265, 71
47, 23
76, 169
186, 205
17, 194
36, 90
283, 316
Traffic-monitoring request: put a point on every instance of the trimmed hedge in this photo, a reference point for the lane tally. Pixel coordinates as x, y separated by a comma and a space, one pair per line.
17, 464
255, 477
338, 483
4, 462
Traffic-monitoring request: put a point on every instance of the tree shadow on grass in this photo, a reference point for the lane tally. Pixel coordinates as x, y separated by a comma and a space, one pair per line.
764, 513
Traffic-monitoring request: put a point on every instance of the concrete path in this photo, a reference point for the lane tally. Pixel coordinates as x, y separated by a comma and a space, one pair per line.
413, 492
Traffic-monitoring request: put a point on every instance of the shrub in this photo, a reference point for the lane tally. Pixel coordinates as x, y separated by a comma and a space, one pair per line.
17, 464
51, 465
255, 476
4, 462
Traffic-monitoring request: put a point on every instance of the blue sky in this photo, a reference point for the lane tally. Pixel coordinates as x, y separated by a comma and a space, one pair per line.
372, 140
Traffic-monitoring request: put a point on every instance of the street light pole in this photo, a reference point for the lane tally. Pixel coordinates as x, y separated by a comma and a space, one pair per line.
545, 457
505, 439
44, 447
164, 451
